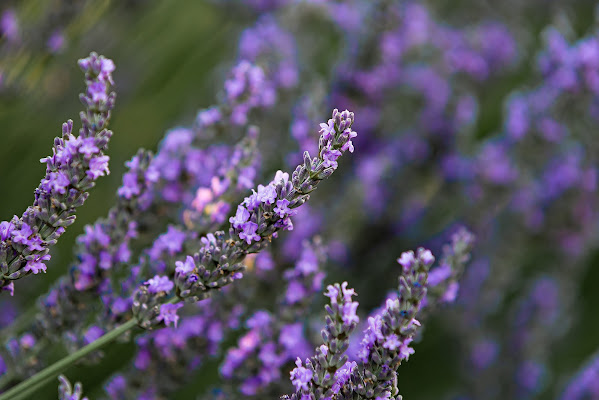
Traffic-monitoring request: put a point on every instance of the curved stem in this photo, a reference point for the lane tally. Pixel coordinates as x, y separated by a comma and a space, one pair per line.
29, 385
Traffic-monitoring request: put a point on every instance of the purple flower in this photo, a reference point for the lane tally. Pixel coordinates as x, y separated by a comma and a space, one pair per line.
260, 320
300, 376
426, 257
159, 284
267, 194
282, 208
484, 353
347, 293
332, 293
440, 274
98, 166
88, 147
404, 350
130, 186
292, 338
295, 292
56, 42
185, 267
241, 217
27, 340
11, 289
392, 342
93, 334
168, 313
407, 259
56, 182
349, 313
22, 235
209, 116
327, 131
68, 392
330, 157
97, 92
451, 293
107, 67
251, 202
6, 229
116, 386
343, 375
249, 232
9, 25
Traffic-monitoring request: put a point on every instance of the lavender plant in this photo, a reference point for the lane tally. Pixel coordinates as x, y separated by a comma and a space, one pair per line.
258, 219
384, 345
71, 171
193, 279
466, 117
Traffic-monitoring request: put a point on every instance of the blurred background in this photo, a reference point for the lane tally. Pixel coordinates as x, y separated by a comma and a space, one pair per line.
171, 59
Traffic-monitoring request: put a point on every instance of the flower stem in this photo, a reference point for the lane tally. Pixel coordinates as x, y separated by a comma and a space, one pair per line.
29, 390
33, 383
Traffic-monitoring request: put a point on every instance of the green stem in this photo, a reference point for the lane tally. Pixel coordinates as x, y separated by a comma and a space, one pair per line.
33, 383
29, 390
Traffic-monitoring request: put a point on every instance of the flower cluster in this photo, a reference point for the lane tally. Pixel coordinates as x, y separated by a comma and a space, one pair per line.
100, 250
268, 40
247, 88
275, 338
444, 280
153, 185
388, 336
323, 373
258, 218
71, 171
485, 123
385, 342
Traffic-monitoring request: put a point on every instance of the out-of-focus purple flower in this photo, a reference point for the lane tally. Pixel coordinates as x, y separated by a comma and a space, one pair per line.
56, 42
9, 25
484, 353
159, 284
168, 313
585, 384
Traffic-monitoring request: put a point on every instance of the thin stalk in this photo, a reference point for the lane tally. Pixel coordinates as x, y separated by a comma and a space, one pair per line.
33, 383
32, 389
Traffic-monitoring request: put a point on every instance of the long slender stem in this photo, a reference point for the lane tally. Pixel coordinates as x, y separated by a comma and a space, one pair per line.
28, 386
29, 390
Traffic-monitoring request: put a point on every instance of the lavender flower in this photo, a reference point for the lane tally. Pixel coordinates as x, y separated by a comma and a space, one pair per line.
70, 173
268, 45
67, 392
384, 345
444, 280
246, 89
168, 313
255, 366
9, 25
319, 377
99, 251
585, 384
218, 262
389, 334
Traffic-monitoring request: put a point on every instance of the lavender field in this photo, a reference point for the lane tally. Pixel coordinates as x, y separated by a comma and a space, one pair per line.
299, 199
